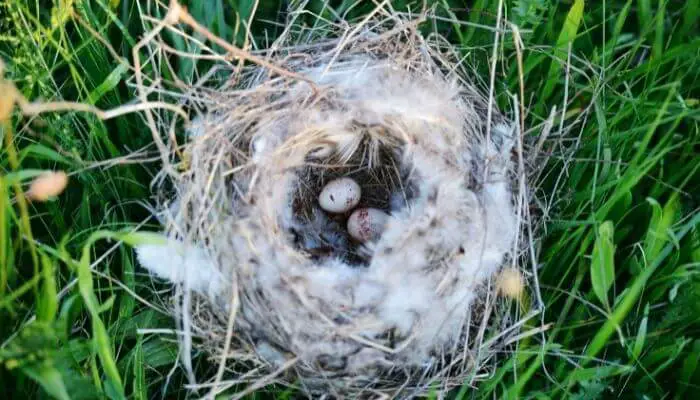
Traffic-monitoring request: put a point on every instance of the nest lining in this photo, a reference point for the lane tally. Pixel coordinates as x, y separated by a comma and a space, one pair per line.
247, 231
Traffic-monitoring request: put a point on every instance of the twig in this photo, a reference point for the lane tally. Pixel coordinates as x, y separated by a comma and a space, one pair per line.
227, 342
264, 381
492, 80
186, 18
35, 108
352, 33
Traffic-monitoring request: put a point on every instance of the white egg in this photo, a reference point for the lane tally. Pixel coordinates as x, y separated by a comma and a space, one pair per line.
367, 223
339, 195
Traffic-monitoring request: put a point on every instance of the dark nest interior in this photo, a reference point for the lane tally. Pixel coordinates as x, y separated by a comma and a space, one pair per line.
385, 185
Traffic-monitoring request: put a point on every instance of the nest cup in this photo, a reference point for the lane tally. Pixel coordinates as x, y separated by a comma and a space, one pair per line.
273, 288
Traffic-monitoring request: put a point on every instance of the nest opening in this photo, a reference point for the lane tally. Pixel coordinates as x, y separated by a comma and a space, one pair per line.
385, 185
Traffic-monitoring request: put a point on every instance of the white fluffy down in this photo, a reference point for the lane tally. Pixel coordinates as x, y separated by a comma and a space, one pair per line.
178, 263
413, 299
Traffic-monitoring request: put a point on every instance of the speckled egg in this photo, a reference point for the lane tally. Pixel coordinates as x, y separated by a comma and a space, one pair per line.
366, 224
340, 195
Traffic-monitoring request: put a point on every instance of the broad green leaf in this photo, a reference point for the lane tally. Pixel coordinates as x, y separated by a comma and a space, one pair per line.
603, 262
659, 227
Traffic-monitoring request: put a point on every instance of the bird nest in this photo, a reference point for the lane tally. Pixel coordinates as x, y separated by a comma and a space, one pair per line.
270, 285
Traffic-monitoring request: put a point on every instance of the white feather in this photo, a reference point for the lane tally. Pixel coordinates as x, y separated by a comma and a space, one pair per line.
182, 264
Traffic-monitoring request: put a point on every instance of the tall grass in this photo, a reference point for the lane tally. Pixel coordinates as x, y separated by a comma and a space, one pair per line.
618, 265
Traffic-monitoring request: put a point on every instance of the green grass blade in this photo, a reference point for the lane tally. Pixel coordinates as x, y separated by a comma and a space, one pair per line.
641, 335
566, 35
110, 82
691, 16
475, 13
50, 380
101, 341
140, 392
47, 301
659, 44
690, 365
5, 266
644, 13
586, 374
